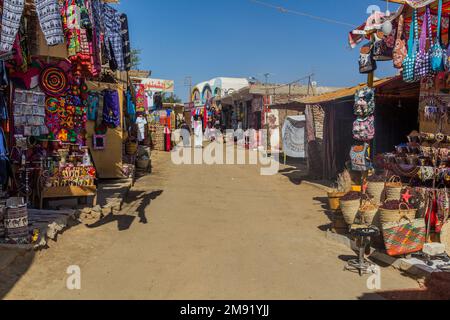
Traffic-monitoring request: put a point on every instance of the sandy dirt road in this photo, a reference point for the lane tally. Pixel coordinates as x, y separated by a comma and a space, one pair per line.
200, 232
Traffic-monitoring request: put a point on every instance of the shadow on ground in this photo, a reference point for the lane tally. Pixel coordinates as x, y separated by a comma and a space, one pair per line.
296, 171
130, 212
16, 267
437, 287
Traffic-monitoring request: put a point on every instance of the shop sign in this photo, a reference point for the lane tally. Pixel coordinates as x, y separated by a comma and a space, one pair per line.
158, 85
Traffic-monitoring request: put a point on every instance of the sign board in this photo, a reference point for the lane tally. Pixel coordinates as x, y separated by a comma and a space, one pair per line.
158, 85
294, 140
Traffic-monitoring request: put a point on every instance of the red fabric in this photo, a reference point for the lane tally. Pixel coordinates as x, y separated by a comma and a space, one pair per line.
432, 214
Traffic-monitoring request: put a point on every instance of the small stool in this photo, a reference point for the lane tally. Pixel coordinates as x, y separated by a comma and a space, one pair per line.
363, 238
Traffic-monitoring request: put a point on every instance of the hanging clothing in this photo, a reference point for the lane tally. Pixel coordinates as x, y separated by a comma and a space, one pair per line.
93, 102
167, 139
113, 37
49, 18
111, 108
131, 108
5, 168
82, 40
3, 107
125, 31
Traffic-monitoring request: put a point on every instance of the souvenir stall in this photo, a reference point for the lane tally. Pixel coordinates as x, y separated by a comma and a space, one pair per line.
51, 133
155, 120
403, 206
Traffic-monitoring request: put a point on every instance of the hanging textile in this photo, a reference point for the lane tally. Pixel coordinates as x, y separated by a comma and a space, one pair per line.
113, 38
111, 108
93, 102
126, 41
49, 18
82, 39
131, 108
5, 169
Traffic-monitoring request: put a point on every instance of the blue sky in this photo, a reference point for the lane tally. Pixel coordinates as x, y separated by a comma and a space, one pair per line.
238, 38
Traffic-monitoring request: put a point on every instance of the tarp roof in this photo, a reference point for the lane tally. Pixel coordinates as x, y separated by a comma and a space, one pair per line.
339, 94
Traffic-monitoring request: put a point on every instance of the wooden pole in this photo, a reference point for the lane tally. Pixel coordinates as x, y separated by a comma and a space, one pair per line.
370, 84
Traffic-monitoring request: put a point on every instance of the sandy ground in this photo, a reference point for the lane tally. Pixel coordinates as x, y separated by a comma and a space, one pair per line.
201, 232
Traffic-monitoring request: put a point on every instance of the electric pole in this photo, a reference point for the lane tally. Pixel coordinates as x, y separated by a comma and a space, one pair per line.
188, 83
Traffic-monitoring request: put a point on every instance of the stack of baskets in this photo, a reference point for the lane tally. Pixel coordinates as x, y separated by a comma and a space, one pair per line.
157, 135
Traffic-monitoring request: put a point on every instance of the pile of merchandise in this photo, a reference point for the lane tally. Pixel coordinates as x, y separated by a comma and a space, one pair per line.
46, 104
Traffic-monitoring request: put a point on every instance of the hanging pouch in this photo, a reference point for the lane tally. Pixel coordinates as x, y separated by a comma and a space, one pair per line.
410, 60
366, 62
400, 50
423, 61
438, 54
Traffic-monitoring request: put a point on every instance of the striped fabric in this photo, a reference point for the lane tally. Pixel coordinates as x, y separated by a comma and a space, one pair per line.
16, 225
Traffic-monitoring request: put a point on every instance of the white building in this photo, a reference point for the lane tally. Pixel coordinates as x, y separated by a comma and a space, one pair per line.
216, 87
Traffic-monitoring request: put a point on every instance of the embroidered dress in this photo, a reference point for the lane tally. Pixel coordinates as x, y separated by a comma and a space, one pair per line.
49, 19
111, 109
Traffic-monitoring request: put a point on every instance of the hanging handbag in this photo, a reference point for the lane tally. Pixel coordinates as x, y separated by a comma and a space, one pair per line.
366, 62
364, 129
423, 61
410, 60
438, 54
383, 46
400, 50
359, 156
404, 237
364, 102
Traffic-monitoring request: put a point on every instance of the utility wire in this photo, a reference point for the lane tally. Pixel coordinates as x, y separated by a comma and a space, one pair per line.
303, 14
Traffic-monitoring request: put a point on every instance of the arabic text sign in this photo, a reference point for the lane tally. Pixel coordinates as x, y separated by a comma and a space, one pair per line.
158, 85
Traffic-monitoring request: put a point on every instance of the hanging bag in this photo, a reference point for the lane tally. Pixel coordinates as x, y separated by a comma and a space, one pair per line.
423, 61
410, 60
364, 102
360, 158
383, 46
366, 62
438, 54
400, 50
364, 129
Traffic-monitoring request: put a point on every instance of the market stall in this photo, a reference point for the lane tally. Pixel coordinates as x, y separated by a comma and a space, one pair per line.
58, 121
404, 193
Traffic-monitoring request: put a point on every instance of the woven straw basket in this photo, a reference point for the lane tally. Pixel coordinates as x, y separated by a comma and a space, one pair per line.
350, 210
394, 188
445, 235
368, 212
403, 212
334, 198
376, 190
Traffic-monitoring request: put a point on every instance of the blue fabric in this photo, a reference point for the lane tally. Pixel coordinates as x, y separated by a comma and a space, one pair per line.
3, 108
5, 168
93, 102
131, 108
